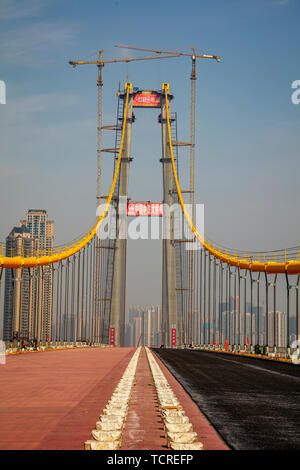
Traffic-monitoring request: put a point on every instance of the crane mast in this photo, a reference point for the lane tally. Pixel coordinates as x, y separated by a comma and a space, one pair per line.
192, 193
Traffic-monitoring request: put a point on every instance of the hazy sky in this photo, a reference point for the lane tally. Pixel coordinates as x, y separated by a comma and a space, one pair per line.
247, 126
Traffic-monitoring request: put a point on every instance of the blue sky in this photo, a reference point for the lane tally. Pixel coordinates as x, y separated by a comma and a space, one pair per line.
247, 127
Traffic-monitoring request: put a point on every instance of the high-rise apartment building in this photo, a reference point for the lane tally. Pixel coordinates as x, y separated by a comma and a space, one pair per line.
138, 331
40, 228
29, 292
18, 298
42, 231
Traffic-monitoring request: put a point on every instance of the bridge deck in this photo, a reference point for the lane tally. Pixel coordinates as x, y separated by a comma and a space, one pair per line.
253, 403
52, 400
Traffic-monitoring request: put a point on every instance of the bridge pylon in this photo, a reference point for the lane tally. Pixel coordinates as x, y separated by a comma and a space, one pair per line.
169, 296
169, 327
118, 299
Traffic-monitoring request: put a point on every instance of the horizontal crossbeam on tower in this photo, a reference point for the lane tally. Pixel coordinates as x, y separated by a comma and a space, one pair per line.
114, 198
105, 247
111, 150
180, 144
112, 127
125, 159
183, 191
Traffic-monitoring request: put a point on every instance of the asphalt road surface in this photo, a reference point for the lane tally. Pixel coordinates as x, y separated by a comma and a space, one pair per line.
253, 403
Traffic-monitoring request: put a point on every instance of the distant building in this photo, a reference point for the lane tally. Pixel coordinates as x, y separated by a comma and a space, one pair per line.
18, 315
29, 292
143, 326
279, 339
138, 331
40, 228
42, 231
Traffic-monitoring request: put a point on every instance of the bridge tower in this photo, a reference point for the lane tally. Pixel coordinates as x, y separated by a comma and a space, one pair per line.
118, 299
144, 99
169, 296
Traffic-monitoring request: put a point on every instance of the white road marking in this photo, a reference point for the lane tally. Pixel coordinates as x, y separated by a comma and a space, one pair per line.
261, 368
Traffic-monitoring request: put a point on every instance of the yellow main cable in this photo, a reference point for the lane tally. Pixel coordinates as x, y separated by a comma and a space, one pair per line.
289, 267
34, 261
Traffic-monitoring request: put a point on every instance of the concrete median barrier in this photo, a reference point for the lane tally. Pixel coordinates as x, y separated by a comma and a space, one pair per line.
108, 432
178, 429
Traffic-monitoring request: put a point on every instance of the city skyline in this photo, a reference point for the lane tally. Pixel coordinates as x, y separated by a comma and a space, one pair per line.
143, 326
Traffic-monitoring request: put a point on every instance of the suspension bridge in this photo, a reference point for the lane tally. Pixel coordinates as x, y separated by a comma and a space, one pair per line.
212, 299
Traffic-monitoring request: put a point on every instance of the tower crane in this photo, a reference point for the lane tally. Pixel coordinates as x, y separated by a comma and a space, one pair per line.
191, 144
100, 64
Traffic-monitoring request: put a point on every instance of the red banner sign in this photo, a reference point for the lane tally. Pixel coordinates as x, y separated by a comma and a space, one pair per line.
173, 338
146, 99
112, 337
150, 209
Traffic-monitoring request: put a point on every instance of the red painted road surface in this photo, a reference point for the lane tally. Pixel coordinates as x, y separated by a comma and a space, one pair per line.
52, 400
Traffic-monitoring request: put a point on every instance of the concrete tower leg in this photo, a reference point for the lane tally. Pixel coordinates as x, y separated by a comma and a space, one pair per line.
118, 300
169, 298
